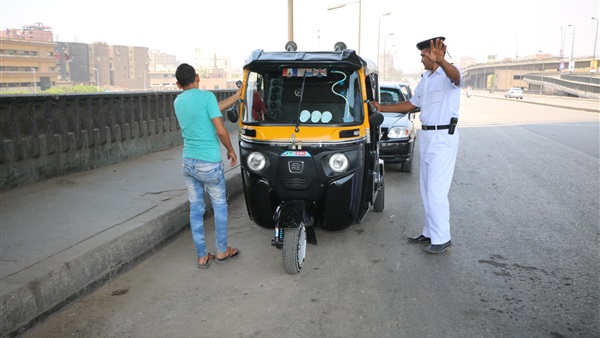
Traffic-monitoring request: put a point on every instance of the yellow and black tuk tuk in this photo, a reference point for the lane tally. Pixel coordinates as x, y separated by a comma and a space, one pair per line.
308, 144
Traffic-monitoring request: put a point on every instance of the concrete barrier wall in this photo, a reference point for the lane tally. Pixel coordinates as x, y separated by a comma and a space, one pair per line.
46, 136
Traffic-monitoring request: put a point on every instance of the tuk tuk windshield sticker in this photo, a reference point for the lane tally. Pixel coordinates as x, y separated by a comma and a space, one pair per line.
304, 116
296, 153
301, 72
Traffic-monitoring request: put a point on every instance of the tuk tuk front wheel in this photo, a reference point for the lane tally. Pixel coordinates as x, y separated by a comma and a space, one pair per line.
294, 249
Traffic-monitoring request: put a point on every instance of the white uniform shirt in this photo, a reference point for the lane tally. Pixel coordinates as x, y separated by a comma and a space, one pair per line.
438, 98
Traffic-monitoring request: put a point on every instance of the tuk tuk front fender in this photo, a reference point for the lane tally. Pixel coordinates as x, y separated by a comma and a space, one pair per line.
260, 199
341, 202
294, 214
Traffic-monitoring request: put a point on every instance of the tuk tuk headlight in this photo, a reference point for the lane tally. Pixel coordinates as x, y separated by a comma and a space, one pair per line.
398, 132
338, 162
256, 161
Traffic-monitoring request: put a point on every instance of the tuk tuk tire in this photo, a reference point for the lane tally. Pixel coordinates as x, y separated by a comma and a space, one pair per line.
379, 204
407, 167
294, 249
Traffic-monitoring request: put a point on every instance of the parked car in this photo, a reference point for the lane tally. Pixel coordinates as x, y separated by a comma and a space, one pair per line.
514, 92
398, 135
406, 90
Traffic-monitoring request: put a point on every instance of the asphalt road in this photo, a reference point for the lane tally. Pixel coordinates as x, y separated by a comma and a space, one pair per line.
525, 207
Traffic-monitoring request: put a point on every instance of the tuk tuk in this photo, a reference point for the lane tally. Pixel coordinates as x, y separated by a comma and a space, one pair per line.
308, 144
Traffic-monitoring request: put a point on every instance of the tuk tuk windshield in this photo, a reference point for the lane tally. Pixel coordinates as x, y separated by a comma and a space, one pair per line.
306, 96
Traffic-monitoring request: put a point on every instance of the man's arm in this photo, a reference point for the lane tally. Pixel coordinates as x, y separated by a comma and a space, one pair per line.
224, 138
230, 101
401, 107
451, 72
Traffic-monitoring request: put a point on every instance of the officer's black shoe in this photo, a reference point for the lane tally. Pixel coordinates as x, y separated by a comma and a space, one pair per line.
419, 240
438, 248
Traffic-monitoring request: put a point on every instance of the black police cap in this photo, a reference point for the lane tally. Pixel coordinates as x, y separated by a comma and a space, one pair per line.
426, 44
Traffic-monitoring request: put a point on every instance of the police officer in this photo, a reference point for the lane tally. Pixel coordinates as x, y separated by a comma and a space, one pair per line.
438, 96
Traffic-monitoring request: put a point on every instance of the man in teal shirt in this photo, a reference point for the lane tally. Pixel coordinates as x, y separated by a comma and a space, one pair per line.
201, 122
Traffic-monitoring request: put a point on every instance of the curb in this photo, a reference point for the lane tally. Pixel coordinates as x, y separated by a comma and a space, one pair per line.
78, 271
543, 104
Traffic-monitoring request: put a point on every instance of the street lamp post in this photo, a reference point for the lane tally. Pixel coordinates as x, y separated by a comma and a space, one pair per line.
562, 42
34, 81
290, 20
384, 56
596, 38
517, 59
572, 67
147, 76
359, 16
573, 41
543, 70
97, 80
516, 46
379, 36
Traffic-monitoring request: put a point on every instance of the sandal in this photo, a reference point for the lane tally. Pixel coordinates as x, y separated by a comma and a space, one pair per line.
210, 258
231, 253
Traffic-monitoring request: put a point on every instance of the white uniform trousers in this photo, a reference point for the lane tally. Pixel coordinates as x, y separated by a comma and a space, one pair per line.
438, 151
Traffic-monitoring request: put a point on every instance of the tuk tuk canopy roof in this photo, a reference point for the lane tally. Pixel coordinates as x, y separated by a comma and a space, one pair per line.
348, 59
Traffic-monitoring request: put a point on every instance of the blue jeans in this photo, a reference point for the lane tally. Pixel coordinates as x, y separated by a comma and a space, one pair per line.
200, 176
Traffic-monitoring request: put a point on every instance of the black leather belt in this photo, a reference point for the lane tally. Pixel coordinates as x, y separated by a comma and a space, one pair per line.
446, 126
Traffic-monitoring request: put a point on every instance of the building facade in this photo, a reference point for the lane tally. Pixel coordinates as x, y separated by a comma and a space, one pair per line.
30, 60
27, 65
73, 63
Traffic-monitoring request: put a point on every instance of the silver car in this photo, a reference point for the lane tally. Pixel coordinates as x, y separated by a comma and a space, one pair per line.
398, 135
514, 92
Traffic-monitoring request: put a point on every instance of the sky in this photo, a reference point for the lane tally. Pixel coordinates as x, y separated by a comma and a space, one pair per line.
234, 28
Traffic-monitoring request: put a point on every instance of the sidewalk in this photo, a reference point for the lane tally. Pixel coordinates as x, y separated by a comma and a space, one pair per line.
590, 105
62, 238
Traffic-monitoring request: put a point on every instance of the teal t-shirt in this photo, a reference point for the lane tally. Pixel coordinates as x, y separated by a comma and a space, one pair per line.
195, 110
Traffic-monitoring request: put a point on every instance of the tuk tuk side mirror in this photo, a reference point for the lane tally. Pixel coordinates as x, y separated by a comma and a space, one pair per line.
375, 119
232, 115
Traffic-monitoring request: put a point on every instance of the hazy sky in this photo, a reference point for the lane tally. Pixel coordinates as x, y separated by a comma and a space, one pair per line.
234, 28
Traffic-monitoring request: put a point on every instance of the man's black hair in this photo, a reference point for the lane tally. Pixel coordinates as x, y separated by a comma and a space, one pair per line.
185, 74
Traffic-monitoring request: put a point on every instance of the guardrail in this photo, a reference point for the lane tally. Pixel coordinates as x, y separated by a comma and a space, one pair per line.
45, 136
589, 79
580, 86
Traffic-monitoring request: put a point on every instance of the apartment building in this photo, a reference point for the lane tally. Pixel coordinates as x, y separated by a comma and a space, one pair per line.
27, 65
31, 60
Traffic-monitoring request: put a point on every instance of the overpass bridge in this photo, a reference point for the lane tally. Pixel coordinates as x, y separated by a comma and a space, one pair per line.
63, 238
539, 76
